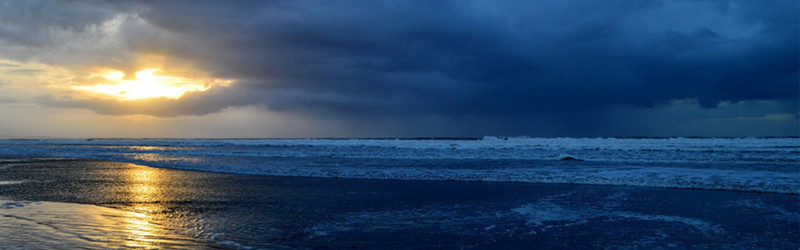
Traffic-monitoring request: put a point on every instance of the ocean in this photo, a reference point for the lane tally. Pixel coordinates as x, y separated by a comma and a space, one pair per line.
735, 164
489, 192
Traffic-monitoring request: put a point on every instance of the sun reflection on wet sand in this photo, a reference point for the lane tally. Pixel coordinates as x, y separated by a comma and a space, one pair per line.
133, 210
141, 220
144, 188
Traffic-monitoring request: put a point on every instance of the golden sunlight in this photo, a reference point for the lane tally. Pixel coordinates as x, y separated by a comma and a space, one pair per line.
148, 84
144, 186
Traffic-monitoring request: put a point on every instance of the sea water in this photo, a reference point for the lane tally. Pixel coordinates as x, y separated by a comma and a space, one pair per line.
499, 193
735, 164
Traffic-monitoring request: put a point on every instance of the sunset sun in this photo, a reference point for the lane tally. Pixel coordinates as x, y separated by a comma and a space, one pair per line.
148, 84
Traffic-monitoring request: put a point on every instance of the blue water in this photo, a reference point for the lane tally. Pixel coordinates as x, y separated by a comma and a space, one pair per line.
738, 164
499, 193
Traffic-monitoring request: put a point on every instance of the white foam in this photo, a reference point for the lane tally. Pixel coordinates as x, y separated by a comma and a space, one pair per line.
777, 212
443, 218
546, 215
11, 182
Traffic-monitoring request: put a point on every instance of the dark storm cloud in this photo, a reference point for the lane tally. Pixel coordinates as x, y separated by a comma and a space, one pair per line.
487, 58
457, 58
31, 23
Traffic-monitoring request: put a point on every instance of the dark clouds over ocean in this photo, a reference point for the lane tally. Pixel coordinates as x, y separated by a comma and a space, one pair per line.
508, 64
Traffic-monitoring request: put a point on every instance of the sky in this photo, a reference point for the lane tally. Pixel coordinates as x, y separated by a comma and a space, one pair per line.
276, 69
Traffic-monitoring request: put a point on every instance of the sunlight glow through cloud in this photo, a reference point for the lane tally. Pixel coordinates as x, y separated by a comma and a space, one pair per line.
149, 85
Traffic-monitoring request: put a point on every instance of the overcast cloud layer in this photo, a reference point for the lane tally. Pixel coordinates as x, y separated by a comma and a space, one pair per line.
557, 63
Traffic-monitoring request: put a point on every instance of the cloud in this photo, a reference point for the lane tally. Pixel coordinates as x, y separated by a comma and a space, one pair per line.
688, 118
193, 103
23, 71
5, 100
509, 59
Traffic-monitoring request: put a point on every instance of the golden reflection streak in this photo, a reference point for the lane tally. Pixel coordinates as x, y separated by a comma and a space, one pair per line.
144, 188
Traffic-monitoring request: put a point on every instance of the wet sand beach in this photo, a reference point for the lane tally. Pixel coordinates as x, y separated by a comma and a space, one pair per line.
60, 202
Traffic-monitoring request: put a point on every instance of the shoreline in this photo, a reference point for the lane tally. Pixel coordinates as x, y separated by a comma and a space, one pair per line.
206, 170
